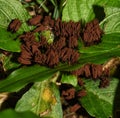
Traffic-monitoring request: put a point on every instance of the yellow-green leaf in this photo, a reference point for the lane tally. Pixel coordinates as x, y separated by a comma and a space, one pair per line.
43, 99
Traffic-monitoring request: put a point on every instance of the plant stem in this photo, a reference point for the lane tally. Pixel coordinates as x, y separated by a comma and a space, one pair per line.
41, 2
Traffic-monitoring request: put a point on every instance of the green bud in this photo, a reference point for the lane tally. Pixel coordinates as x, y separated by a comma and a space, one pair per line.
48, 35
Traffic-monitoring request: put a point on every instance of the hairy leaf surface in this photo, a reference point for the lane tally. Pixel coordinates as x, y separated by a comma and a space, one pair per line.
99, 102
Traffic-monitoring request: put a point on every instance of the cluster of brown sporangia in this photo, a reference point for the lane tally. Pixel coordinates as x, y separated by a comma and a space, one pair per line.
70, 97
93, 71
63, 49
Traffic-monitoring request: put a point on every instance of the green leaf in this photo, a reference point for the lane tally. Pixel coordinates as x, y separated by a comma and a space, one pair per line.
106, 50
69, 79
77, 10
111, 23
99, 102
43, 99
7, 41
11, 9
9, 113
21, 77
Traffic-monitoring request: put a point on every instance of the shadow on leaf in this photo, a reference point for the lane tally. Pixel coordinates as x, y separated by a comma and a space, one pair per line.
116, 102
99, 12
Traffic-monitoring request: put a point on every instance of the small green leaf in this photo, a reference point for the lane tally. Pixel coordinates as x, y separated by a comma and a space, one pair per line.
99, 102
9, 113
7, 41
21, 77
8, 62
43, 99
69, 79
48, 35
11, 9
